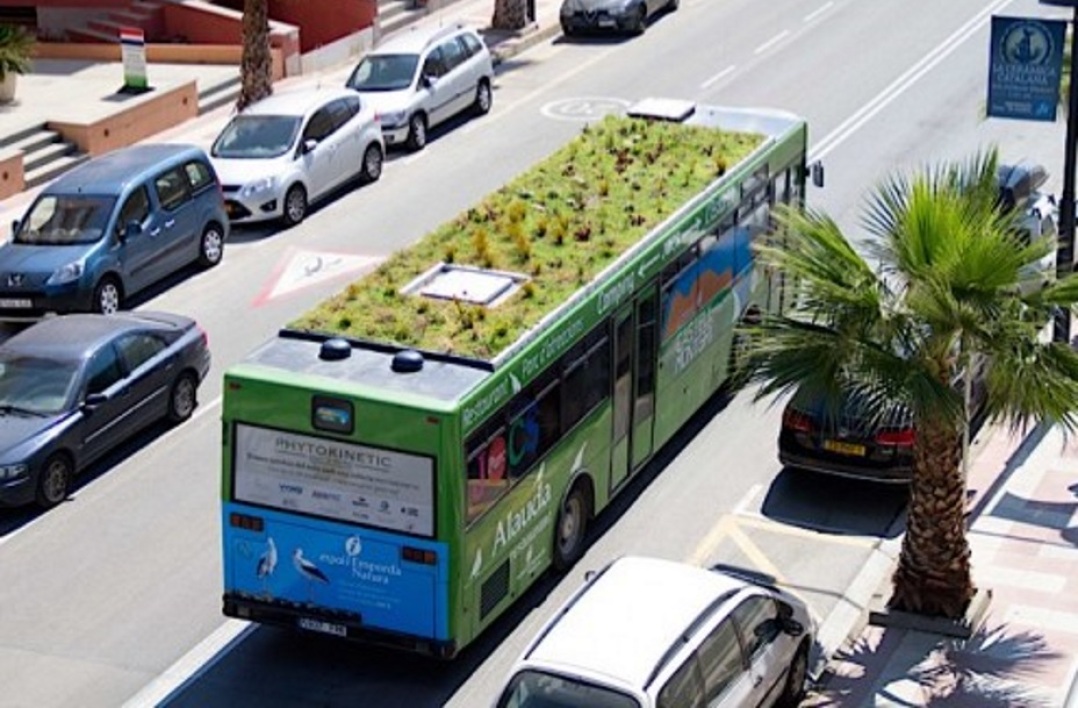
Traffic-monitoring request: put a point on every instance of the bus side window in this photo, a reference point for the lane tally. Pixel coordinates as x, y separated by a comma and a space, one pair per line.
488, 479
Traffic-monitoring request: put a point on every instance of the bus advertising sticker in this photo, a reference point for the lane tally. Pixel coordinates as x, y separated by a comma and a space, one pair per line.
301, 269
584, 109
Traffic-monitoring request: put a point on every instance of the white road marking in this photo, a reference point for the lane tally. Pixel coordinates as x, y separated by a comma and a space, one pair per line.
718, 77
944, 49
772, 42
191, 664
816, 13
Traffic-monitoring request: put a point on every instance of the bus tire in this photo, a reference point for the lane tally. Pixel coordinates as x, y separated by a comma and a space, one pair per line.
570, 530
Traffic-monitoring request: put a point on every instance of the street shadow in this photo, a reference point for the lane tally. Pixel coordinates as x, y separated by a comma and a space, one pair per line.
983, 671
1032, 439
836, 505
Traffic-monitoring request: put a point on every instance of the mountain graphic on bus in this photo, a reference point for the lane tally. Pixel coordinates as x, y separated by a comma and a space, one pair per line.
706, 279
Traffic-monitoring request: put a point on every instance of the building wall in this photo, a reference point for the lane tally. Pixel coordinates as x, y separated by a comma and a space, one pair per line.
322, 22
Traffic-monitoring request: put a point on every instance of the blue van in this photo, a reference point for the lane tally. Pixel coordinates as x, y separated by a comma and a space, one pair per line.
111, 227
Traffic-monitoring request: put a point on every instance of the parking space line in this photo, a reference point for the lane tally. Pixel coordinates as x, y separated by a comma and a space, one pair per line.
762, 522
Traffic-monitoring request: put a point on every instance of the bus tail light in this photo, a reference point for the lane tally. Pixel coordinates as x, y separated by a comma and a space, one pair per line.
246, 522
418, 555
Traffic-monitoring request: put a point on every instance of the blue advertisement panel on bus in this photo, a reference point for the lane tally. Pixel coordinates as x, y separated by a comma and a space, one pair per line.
319, 560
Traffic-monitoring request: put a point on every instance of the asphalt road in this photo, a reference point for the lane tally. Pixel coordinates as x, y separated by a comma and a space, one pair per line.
116, 594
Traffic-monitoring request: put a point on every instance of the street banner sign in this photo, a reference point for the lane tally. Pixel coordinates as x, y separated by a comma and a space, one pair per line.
133, 53
1025, 61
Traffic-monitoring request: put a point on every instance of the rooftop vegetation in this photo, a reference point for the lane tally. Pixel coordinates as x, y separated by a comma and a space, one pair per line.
560, 223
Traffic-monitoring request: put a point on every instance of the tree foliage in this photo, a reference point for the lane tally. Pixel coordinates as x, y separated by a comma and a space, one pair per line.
951, 281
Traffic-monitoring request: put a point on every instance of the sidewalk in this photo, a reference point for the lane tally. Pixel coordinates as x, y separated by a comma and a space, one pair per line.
1024, 538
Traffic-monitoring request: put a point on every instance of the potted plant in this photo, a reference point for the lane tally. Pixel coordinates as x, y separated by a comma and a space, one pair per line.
16, 49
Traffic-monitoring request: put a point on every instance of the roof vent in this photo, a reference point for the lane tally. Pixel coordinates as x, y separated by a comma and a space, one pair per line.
335, 349
478, 286
408, 361
671, 109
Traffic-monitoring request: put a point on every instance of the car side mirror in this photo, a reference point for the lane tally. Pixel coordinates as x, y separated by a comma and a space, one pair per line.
429, 80
309, 145
816, 170
131, 230
14, 227
93, 400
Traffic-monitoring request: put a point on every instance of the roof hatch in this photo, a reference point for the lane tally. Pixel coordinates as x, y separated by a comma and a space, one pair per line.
670, 109
478, 286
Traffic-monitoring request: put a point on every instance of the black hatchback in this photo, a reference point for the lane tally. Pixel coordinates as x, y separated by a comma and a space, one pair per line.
74, 387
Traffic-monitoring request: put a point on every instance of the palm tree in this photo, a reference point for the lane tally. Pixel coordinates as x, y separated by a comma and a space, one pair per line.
256, 67
510, 14
954, 281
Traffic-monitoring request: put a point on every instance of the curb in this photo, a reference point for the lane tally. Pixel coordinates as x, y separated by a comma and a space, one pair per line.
524, 40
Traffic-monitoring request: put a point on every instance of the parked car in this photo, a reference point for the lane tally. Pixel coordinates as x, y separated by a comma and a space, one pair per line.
845, 440
281, 154
110, 228
73, 387
423, 77
648, 633
579, 16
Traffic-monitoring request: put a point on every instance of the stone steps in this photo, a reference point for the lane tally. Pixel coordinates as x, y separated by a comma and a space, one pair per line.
46, 154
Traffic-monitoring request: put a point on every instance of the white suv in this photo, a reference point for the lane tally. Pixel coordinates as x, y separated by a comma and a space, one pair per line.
650, 633
422, 77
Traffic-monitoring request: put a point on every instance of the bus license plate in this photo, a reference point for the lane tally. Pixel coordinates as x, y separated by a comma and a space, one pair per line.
13, 303
313, 625
844, 448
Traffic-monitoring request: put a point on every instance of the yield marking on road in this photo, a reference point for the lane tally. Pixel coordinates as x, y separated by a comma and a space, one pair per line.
301, 269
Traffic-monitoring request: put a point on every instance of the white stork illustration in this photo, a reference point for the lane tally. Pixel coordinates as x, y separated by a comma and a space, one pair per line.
267, 563
310, 571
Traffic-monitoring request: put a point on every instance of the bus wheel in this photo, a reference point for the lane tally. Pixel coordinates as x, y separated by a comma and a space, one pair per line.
570, 529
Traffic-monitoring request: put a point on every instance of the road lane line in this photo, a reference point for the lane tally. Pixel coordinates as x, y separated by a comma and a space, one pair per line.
852, 124
819, 11
718, 77
772, 42
761, 522
192, 664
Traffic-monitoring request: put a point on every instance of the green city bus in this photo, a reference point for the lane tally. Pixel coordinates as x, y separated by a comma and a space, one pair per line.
404, 460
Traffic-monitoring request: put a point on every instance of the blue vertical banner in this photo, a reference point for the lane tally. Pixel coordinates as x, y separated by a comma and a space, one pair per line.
1025, 65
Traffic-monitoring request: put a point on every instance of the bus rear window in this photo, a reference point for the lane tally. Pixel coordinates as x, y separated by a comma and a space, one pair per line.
334, 479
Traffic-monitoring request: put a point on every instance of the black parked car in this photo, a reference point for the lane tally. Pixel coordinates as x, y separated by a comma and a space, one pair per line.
848, 442
73, 387
579, 16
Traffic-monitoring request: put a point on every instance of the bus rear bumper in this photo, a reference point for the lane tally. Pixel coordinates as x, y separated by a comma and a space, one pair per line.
346, 625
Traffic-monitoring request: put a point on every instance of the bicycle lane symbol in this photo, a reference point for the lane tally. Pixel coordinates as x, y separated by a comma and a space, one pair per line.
584, 109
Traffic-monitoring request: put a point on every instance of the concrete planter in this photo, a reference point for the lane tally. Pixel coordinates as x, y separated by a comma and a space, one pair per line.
7, 87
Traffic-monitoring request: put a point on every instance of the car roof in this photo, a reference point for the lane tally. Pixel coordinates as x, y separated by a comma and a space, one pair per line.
416, 39
299, 102
73, 336
626, 620
112, 172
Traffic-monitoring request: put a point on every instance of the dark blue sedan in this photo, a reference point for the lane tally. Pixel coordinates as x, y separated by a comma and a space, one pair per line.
73, 387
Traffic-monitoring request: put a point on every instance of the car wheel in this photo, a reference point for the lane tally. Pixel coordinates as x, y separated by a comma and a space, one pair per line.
417, 132
567, 30
295, 204
212, 246
570, 530
671, 6
183, 398
371, 169
54, 482
793, 690
483, 98
641, 23
108, 296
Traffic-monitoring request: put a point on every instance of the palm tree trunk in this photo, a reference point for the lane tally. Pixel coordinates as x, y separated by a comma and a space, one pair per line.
933, 576
256, 68
510, 14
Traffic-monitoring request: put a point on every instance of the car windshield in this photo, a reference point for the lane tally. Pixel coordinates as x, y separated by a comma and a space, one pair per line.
35, 384
538, 689
384, 72
256, 136
65, 219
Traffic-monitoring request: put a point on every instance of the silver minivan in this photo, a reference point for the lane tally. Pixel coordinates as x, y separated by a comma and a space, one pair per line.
652, 633
423, 77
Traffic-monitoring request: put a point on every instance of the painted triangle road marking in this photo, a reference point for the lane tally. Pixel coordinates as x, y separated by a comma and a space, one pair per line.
300, 268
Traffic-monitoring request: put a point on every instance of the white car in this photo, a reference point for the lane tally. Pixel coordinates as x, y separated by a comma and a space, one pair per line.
651, 633
422, 77
288, 150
